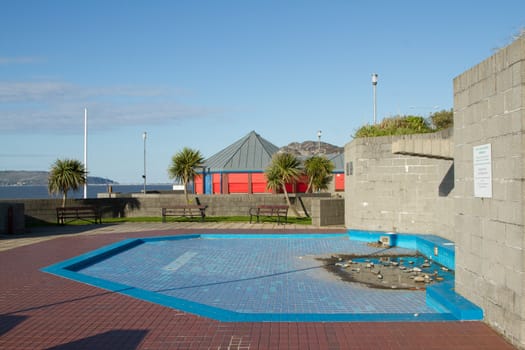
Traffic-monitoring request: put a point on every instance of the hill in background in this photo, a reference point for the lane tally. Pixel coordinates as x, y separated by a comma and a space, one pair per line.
311, 148
38, 178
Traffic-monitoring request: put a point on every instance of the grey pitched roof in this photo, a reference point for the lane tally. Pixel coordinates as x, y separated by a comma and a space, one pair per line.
251, 153
337, 158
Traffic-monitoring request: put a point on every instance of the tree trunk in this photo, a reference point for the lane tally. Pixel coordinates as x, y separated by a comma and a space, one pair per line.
308, 189
292, 207
186, 193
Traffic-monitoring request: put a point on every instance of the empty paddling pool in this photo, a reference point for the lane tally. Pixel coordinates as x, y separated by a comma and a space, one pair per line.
289, 277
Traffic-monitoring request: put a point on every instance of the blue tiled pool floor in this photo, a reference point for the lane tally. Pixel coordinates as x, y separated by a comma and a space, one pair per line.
254, 279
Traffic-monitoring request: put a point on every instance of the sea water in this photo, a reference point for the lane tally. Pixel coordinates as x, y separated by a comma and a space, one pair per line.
41, 192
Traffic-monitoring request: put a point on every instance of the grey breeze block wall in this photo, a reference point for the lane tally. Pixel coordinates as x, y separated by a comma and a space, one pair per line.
489, 108
137, 205
396, 192
12, 218
218, 205
327, 211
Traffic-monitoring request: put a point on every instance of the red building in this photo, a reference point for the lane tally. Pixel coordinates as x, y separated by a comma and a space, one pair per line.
239, 168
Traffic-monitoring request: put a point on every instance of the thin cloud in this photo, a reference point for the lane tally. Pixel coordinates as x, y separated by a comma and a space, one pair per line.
59, 106
33, 91
19, 60
52, 90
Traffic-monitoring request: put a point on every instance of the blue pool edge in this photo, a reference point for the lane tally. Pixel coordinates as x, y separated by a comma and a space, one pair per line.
441, 297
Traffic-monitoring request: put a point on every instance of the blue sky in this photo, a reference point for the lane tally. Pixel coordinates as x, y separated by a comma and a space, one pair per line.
204, 73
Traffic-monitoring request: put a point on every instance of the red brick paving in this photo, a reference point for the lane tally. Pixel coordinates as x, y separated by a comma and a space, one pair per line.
42, 311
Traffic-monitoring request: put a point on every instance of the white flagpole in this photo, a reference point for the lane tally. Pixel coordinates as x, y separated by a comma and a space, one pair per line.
85, 151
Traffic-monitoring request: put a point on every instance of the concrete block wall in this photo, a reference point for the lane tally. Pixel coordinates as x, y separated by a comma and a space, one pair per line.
438, 145
38, 211
12, 218
149, 205
489, 108
218, 205
327, 212
396, 192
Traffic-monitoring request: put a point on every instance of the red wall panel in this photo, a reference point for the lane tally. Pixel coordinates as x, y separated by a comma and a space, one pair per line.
238, 183
339, 182
197, 183
259, 183
216, 183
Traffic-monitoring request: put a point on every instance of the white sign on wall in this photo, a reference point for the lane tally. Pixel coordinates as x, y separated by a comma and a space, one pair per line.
482, 161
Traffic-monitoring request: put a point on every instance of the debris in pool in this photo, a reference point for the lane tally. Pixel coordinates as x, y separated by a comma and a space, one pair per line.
378, 244
385, 272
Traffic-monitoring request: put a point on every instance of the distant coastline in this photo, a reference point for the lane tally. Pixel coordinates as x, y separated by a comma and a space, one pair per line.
39, 178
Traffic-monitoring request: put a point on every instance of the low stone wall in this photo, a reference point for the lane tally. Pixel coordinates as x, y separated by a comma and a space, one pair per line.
149, 205
12, 218
328, 212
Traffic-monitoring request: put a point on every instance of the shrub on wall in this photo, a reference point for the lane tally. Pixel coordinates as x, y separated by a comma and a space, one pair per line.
399, 125
408, 124
443, 119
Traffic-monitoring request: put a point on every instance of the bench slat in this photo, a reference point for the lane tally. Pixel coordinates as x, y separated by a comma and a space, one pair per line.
184, 211
78, 213
279, 211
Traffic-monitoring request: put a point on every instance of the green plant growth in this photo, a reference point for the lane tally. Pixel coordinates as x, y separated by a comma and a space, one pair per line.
319, 171
285, 168
408, 124
66, 175
183, 167
442, 120
291, 220
398, 125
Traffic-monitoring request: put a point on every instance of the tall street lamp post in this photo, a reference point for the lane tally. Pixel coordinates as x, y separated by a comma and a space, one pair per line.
374, 86
144, 136
319, 133
85, 151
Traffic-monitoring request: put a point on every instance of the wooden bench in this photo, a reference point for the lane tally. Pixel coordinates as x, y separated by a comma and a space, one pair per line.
279, 211
188, 211
86, 213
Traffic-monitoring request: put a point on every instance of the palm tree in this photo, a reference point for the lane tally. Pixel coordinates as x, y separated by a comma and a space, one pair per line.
284, 168
183, 165
319, 171
66, 175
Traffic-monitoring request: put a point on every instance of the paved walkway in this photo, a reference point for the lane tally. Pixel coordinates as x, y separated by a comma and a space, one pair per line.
42, 311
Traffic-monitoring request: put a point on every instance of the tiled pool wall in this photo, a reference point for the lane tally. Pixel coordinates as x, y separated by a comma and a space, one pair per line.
435, 248
440, 296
